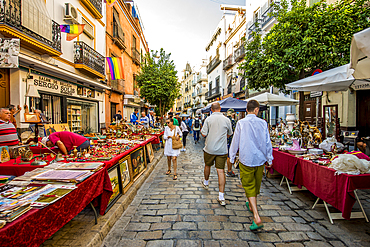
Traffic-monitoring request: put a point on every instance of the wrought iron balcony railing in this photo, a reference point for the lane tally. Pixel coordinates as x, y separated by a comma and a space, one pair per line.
213, 64
11, 17
135, 56
94, 6
118, 35
88, 59
212, 93
201, 77
118, 85
253, 27
239, 53
228, 62
266, 10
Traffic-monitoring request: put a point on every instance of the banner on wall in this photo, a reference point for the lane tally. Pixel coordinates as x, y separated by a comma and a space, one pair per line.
9, 51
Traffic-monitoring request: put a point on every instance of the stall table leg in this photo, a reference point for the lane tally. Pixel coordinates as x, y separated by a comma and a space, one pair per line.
95, 213
291, 188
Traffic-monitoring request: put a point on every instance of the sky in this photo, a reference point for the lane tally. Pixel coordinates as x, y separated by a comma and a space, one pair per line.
181, 27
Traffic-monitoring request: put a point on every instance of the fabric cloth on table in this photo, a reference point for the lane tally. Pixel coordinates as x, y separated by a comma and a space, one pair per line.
168, 150
13, 167
284, 163
37, 225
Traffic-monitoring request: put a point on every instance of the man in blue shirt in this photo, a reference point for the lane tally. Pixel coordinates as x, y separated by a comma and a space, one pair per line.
252, 139
134, 118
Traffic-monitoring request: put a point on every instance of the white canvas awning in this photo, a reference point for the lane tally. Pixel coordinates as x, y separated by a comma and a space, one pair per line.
360, 55
270, 99
331, 80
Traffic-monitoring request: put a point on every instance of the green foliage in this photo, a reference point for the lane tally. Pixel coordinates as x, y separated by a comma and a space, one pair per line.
304, 39
158, 81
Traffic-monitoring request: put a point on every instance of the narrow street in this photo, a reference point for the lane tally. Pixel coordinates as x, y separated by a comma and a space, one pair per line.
168, 212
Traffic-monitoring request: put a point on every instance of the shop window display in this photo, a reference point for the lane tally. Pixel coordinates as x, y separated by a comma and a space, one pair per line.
82, 116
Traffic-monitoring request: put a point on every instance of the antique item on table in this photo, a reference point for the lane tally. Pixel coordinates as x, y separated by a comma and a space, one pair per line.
4, 155
75, 151
13, 152
315, 151
327, 145
31, 118
25, 152
296, 148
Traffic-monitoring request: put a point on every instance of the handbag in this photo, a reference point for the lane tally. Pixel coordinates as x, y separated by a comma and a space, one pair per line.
176, 144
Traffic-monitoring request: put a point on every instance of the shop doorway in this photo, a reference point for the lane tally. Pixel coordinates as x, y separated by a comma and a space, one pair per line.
4, 88
363, 111
309, 105
51, 106
113, 110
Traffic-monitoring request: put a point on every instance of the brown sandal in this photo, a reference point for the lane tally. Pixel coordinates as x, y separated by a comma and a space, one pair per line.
174, 177
168, 172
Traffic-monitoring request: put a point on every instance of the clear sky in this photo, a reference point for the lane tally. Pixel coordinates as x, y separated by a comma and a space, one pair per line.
181, 27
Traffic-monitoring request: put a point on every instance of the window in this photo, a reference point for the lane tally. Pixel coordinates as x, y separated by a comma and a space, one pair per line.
88, 34
133, 42
36, 17
117, 29
255, 15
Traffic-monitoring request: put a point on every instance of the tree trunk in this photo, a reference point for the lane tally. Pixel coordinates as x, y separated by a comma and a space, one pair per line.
301, 99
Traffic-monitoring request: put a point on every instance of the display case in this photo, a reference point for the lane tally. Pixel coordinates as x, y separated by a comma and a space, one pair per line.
74, 118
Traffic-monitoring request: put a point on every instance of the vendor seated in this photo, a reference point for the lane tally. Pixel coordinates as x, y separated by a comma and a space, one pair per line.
361, 144
66, 141
8, 133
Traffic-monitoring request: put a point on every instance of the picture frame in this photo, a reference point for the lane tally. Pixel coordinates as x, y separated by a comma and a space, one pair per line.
149, 151
125, 173
31, 118
114, 177
138, 162
4, 154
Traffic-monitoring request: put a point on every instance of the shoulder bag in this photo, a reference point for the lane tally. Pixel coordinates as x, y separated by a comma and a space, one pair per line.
176, 144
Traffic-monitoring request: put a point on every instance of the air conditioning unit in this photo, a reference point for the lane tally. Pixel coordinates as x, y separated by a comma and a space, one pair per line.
70, 13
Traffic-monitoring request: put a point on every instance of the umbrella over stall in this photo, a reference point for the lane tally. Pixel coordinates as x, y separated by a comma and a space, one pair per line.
236, 104
360, 55
270, 99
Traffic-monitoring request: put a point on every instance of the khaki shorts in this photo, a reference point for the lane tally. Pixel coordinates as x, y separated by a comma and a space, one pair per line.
219, 160
251, 178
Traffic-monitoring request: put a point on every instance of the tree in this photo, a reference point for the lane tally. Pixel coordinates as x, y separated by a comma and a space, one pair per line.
304, 39
158, 81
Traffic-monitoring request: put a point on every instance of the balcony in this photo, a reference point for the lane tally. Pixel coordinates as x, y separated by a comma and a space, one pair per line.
135, 56
201, 77
118, 36
242, 85
239, 53
194, 94
229, 88
228, 62
88, 60
213, 93
199, 105
94, 7
253, 27
17, 21
117, 85
213, 64
186, 89
266, 10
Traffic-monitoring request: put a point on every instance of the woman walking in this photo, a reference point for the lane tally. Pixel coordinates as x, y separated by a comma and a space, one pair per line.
171, 131
185, 132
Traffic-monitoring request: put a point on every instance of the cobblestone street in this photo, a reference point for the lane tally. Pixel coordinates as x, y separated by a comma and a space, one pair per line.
166, 212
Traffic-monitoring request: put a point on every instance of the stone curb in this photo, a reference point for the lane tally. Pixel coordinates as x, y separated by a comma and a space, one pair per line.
105, 222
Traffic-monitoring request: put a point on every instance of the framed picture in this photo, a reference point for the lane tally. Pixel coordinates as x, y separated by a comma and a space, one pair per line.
149, 151
51, 128
113, 173
4, 154
125, 174
138, 162
31, 118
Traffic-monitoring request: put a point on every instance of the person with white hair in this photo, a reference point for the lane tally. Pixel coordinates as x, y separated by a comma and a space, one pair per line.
151, 118
66, 141
8, 133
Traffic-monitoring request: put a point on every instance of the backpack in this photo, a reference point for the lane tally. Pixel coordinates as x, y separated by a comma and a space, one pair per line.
196, 123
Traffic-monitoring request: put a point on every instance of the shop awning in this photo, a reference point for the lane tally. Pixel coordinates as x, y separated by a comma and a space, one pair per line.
270, 99
56, 71
331, 80
360, 55
236, 104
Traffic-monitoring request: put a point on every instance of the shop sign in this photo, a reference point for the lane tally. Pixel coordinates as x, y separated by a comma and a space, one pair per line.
361, 85
314, 94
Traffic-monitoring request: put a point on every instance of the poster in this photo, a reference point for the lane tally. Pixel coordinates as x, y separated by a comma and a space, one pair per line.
51, 128
124, 167
138, 162
9, 51
149, 151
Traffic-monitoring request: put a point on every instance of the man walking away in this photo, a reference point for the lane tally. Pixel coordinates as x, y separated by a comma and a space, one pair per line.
196, 128
216, 129
252, 139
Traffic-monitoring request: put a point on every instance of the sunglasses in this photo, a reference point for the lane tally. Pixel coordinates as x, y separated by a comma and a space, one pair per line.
167, 122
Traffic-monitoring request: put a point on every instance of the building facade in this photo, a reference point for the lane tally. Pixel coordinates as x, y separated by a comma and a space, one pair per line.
200, 87
69, 76
187, 89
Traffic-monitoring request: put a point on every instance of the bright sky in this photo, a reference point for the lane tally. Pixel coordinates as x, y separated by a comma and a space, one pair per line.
181, 27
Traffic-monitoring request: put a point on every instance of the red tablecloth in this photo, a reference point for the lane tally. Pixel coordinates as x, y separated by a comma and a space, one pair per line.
37, 225
284, 164
13, 167
42, 150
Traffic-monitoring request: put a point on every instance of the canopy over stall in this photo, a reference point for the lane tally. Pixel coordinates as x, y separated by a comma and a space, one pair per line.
360, 55
331, 80
270, 99
236, 104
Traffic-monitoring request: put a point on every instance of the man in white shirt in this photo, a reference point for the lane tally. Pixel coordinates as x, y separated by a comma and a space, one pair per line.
144, 120
216, 129
252, 139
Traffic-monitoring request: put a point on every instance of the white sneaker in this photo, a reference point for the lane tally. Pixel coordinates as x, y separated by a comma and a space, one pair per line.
222, 202
184, 149
204, 186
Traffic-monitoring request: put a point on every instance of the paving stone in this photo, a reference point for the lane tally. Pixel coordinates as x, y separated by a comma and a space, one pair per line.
232, 226
137, 227
167, 211
224, 234
184, 226
322, 231
217, 218
209, 225
200, 234
193, 218
315, 214
269, 213
149, 235
240, 219
297, 227
267, 207
171, 218
189, 243
147, 212
174, 234
224, 212
128, 235
299, 220
158, 206
273, 227
289, 245
248, 236
159, 243
283, 219
337, 244
314, 236
188, 211
135, 242
150, 202
268, 237
292, 236
231, 243
211, 243
317, 244
160, 226
178, 206
260, 244
150, 219
304, 215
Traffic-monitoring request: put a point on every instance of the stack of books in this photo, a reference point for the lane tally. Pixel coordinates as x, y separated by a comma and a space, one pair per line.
63, 176
11, 209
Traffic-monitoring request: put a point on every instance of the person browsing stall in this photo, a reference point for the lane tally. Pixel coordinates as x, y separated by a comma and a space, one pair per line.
144, 120
66, 141
252, 139
134, 118
8, 133
151, 119
117, 117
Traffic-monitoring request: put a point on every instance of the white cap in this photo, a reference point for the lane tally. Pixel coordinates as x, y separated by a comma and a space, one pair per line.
44, 140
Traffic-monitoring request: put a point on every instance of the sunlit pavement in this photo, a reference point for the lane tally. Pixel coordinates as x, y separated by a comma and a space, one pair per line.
168, 212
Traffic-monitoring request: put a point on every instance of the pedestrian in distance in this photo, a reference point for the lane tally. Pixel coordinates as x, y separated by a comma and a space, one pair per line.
185, 131
196, 126
252, 139
171, 131
231, 117
216, 129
